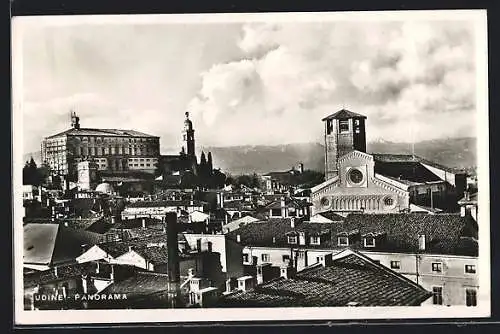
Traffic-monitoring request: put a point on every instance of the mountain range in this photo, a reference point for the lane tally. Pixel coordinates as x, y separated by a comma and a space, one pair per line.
451, 152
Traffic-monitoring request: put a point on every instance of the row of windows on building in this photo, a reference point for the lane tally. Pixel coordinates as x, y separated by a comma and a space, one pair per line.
436, 267
470, 296
98, 140
118, 150
343, 126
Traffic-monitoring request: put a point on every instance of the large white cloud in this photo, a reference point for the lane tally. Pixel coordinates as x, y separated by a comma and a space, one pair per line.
291, 75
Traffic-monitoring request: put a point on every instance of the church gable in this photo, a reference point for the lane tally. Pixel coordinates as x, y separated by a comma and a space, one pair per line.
357, 188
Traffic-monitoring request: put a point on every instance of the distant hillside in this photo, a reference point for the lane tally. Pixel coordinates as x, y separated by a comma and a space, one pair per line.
263, 159
455, 152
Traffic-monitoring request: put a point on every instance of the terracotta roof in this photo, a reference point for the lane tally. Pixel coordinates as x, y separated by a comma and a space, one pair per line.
102, 132
63, 272
141, 284
155, 255
114, 249
445, 233
343, 114
331, 215
349, 278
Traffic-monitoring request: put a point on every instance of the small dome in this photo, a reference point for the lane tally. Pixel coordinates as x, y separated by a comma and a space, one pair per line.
105, 188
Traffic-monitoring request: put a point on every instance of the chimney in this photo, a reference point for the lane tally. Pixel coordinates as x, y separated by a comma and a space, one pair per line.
421, 242
130, 248
113, 220
143, 222
292, 222
173, 248
238, 238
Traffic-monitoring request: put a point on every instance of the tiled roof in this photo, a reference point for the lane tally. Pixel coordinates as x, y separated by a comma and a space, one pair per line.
343, 114
63, 272
102, 132
331, 215
114, 249
349, 278
153, 204
445, 233
153, 254
262, 233
141, 284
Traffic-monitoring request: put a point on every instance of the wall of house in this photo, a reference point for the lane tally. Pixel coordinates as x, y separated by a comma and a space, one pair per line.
92, 254
133, 259
218, 245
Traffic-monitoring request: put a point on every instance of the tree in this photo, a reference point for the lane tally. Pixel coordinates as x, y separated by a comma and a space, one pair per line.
30, 173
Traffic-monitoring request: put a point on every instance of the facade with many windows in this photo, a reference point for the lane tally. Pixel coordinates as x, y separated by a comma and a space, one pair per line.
113, 150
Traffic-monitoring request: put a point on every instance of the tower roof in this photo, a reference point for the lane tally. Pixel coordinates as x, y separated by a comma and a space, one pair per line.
343, 114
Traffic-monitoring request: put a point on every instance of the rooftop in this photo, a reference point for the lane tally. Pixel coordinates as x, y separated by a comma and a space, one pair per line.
343, 114
102, 132
331, 215
289, 202
49, 244
411, 161
349, 278
141, 284
154, 254
445, 233
164, 203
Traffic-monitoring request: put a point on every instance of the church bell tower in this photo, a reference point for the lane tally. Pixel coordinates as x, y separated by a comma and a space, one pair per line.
188, 137
344, 132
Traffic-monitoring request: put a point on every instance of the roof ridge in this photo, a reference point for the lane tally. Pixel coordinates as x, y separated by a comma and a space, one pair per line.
380, 266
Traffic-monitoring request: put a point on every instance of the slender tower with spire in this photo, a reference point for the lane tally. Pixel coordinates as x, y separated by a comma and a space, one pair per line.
188, 136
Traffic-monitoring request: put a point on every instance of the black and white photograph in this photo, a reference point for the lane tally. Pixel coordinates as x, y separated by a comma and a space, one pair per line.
238, 167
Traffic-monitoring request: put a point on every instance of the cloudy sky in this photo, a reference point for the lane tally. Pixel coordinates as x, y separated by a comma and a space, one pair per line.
251, 83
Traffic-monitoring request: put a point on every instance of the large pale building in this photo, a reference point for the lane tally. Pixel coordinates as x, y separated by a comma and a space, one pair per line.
356, 181
113, 150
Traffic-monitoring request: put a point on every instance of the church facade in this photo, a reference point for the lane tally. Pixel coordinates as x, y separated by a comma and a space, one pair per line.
356, 181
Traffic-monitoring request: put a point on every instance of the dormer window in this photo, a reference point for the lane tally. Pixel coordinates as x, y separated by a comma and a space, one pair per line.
343, 126
343, 241
369, 241
315, 240
292, 239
